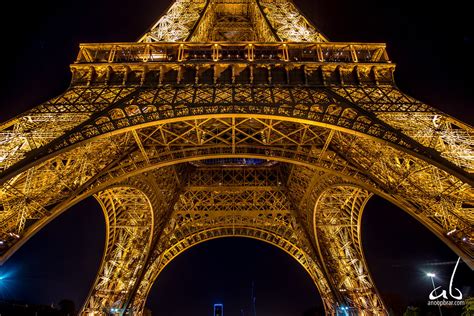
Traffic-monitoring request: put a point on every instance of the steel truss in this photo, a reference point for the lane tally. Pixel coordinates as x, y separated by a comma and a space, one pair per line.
136, 211
177, 23
337, 222
230, 202
197, 20
260, 128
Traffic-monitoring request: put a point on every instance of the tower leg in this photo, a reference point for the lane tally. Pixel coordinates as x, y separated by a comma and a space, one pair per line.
337, 228
129, 222
135, 214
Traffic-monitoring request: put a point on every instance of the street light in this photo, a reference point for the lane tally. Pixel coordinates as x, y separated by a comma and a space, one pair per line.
432, 276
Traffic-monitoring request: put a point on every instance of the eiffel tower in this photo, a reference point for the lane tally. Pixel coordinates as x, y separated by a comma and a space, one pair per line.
235, 118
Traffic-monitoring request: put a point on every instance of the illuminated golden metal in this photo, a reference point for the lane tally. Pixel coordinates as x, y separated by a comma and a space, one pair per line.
177, 23
135, 211
233, 202
235, 118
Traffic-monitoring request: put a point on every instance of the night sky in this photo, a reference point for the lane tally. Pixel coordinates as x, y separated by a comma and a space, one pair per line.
432, 46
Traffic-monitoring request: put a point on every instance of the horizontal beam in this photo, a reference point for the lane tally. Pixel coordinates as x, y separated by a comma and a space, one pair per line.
234, 188
221, 51
251, 214
261, 72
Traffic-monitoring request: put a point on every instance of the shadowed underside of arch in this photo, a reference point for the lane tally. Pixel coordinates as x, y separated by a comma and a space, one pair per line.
306, 153
235, 118
267, 236
438, 199
135, 211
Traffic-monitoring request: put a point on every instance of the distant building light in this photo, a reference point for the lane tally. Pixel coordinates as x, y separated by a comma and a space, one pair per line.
344, 309
218, 310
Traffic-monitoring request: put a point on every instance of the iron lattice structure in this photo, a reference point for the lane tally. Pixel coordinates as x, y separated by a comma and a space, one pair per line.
235, 118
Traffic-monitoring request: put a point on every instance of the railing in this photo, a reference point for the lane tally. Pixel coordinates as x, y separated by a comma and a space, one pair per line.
232, 52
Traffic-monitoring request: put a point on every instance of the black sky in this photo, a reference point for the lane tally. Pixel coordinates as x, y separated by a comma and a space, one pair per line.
432, 46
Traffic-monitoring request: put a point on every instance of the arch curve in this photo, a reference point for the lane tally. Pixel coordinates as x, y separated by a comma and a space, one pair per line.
129, 225
291, 247
435, 197
337, 228
135, 212
440, 200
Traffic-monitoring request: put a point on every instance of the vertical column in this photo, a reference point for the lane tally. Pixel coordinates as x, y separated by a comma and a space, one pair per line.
129, 223
337, 220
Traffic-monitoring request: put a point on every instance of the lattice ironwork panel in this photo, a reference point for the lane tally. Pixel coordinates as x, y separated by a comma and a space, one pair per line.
177, 23
437, 199
199, 216
29, 200
289, 23
136, 213
47, 122
453, 139
337, 222
154, 130
129, 225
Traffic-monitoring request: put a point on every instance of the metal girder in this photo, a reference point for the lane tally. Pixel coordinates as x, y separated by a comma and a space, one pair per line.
289, 23
440, 201
29, 132
453, 139
135, 211
337, 224
376, 164
247, 202
27, 200
271, 20
331, 210
129, 226
178, 23
315, 106
218, 82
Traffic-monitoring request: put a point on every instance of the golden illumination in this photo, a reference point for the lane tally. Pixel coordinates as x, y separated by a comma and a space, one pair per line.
235, 118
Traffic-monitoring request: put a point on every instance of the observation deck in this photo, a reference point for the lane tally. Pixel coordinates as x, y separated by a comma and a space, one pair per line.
319, 64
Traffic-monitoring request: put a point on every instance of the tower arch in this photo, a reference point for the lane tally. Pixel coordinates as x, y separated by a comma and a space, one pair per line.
304, 259
170, 123
442, 203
